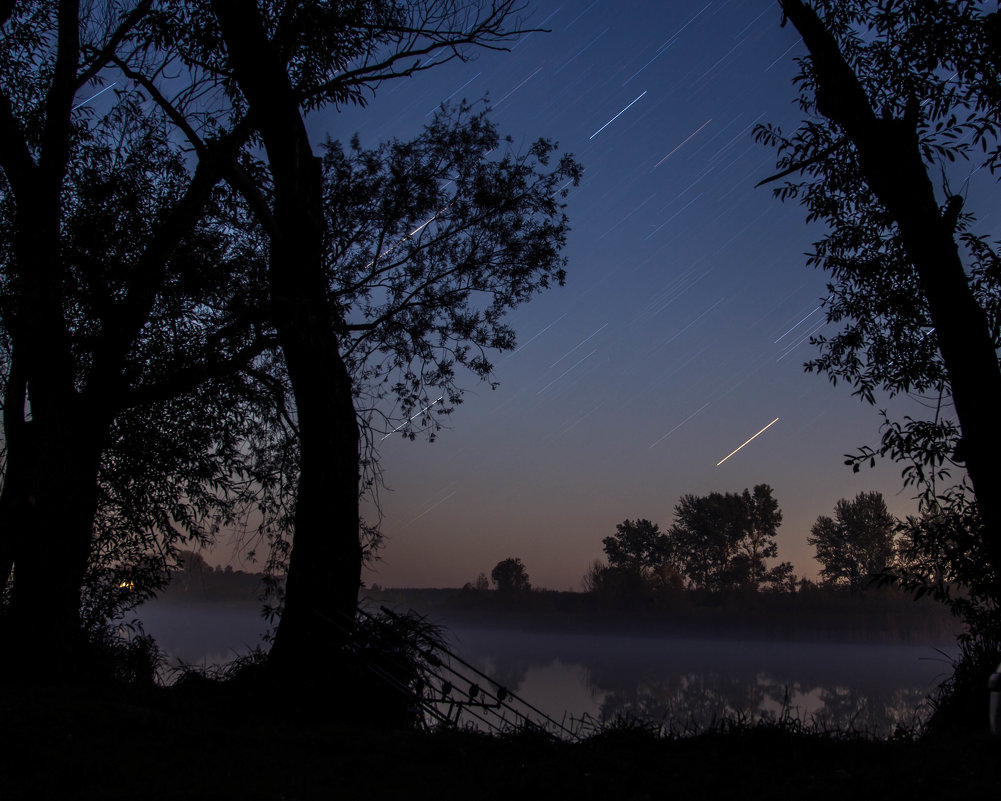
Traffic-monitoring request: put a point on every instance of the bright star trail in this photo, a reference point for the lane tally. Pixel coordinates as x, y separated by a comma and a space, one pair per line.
735, 450
603, 127
96, 94
401, 425
817, 309
687, 310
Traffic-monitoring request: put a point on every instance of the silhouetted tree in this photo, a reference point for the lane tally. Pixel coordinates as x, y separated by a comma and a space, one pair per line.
482, 584
706, 534
781, 578
758, 543
929, 556
722, 540
641, 563
895, 93
123, 324
857, 544
620, 586
404, 285
368, 285
637, 546
510, 576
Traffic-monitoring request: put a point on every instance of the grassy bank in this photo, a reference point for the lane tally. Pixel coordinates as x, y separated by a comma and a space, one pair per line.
164, 744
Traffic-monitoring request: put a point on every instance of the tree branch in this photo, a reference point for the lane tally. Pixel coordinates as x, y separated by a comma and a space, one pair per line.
478, 34
802, 165
167, 107
106, 53
15, 155
6, 9
186, 379
55, 147
123, 322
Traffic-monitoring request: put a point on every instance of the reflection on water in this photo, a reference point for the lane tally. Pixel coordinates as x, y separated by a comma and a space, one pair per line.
684, 685
687, 685
202, 635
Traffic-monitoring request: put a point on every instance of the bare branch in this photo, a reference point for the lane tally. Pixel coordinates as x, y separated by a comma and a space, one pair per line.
799, 166
168, 108
104, 56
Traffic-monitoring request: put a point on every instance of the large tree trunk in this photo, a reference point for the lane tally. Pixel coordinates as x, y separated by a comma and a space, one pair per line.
49, 495
54, 430
325, 565
891, 160
324, 569
51, 549
18, 468
47, 508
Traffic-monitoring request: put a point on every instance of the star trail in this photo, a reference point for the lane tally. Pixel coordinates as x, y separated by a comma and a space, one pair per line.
686, 316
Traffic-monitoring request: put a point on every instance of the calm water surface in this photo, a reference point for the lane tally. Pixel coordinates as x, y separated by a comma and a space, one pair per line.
686, 684
682, 684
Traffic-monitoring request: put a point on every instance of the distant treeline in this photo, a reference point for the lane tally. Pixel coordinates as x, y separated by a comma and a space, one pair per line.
810, 613
814, 613
197, 581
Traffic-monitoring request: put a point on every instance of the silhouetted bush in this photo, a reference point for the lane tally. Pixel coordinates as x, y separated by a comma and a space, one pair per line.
120, 654
961, 701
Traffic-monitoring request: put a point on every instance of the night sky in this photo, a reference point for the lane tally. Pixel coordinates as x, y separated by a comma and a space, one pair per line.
684, 323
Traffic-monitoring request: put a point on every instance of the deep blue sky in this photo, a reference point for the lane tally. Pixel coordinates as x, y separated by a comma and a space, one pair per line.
682, 328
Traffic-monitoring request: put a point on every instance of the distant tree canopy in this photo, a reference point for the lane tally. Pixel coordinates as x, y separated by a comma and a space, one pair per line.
723, 540
637, 546
858, 543
482, 584
707, 532
196, 580
510, 576
718, 542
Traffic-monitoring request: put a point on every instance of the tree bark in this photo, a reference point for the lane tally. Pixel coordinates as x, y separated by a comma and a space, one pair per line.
49, 495
890, 156
324, 571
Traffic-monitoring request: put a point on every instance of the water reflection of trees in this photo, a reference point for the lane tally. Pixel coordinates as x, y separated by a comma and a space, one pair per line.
690, 686
878, 713
696, 701
508, 672
686, 702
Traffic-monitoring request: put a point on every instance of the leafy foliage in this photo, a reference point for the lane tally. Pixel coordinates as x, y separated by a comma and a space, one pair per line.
427, 245
858, 543
509, 576
189, 437
430, 244
724, 538
718, 542
929, 72
638, 546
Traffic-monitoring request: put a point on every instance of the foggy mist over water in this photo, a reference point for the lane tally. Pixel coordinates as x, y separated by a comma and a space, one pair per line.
687, 684
202, 634
680, 684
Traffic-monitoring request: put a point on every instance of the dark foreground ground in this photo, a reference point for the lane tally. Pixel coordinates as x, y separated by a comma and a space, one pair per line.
161, 744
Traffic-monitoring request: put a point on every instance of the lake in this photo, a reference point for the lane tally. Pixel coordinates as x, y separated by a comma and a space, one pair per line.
680, 684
